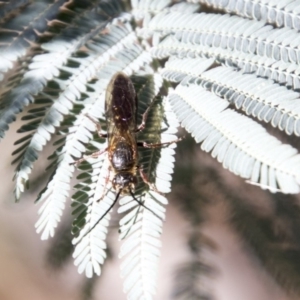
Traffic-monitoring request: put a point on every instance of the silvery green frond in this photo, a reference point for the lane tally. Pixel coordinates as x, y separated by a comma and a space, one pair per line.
258, 97
45, 66
107, 45
58, 57
144, 9
229, 32
141, 226
177, 69
241, 145
260, 232
279, 71
141, 247
189, 279
21, 32
57, 190
9, 7
281, 13
85, 201
185, 7
235, 49
90, 205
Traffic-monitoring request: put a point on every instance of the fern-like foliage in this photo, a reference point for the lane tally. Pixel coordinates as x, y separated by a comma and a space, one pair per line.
279, 13
225, 78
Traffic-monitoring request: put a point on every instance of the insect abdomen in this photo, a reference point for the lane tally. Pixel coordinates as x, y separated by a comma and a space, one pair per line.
122, 102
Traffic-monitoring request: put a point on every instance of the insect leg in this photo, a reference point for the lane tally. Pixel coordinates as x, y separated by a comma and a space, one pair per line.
98, 125
105, 185
157, 145
93, 155
144, 118
146, 180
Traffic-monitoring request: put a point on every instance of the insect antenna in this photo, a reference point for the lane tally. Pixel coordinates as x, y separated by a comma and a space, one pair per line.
142, 204
112, 205
128, 230
101, 218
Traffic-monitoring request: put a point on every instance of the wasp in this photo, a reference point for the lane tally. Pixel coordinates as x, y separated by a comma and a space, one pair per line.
121, 106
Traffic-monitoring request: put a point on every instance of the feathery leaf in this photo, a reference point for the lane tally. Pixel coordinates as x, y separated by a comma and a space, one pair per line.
258, 97
281, 13
241, 145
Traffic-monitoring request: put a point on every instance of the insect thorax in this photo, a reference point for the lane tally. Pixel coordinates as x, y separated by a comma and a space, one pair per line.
123, 157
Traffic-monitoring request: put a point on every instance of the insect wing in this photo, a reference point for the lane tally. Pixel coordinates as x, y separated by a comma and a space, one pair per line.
120, 108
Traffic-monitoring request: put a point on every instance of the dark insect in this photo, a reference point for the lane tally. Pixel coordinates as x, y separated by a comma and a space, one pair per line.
121, 118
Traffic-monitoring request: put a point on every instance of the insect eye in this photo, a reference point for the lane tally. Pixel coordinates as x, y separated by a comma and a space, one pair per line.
133, 179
